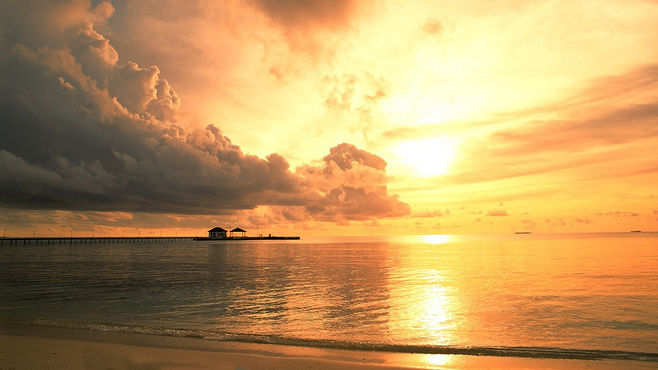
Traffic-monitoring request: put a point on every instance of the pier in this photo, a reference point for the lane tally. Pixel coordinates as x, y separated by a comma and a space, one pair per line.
132, 239
88, 240
229, 238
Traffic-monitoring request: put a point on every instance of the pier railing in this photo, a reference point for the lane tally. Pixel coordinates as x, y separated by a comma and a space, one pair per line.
143, 239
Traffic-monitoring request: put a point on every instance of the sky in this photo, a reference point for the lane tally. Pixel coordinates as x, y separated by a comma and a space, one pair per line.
327, 117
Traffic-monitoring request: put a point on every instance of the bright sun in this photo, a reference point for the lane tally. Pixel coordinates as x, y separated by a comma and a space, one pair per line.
427, 157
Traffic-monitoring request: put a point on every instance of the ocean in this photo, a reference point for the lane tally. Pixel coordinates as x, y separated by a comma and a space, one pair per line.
580, 296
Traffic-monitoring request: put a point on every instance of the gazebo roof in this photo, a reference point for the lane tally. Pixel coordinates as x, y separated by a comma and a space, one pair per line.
216, 229
238, 230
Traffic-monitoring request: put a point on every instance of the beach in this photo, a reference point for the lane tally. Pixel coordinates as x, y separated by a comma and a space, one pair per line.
35, 347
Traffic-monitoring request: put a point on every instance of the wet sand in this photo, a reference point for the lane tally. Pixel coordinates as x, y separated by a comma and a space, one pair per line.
34, 347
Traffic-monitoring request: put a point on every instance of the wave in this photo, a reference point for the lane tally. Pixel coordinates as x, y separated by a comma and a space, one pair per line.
530, 352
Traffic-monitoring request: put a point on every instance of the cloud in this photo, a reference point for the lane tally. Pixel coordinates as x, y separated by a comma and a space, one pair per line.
433, 27
351, 183
316, 28
304, 14
613, 110
359, 94
345, 156
497, 213
603, 131
530, 224
65, 84
85, 132
619, 214
427, 214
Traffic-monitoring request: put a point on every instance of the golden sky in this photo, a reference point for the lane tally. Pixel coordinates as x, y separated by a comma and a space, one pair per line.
328, 117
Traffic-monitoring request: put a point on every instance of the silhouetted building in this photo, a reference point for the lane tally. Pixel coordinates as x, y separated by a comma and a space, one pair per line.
217, 233
238, 230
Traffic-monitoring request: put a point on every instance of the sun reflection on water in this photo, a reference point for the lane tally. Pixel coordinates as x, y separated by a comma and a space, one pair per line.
424, 305
436, 239
433, 309
438, 360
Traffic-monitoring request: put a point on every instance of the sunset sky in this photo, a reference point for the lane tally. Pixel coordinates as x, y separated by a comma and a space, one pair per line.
328, 117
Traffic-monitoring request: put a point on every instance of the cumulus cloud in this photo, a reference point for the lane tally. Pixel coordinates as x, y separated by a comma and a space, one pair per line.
351, 183
304, 14
65, 84
345, 156
84, 132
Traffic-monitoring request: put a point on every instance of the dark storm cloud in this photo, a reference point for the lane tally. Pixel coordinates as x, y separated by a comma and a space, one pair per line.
81, 131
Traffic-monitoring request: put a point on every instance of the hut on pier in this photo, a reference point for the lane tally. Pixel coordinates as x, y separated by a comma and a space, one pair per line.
217, 233
238, 230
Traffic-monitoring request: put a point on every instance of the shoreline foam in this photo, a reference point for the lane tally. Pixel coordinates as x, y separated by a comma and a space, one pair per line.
29, 346
526, 352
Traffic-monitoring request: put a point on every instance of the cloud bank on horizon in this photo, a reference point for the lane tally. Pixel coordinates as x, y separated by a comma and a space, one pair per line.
82, 131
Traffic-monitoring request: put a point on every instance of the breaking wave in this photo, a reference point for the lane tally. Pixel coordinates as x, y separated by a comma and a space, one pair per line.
529, 352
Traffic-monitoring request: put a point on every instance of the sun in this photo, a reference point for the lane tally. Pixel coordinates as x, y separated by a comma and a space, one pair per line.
427, 157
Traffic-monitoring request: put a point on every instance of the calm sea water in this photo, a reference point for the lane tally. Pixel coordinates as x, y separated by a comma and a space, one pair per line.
532, 295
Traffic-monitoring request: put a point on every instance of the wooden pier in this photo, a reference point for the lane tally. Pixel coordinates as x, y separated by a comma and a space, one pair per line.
143, 239
131, 239
270, 237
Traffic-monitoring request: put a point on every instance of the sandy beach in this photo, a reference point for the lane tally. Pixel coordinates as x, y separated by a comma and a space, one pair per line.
34, 347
